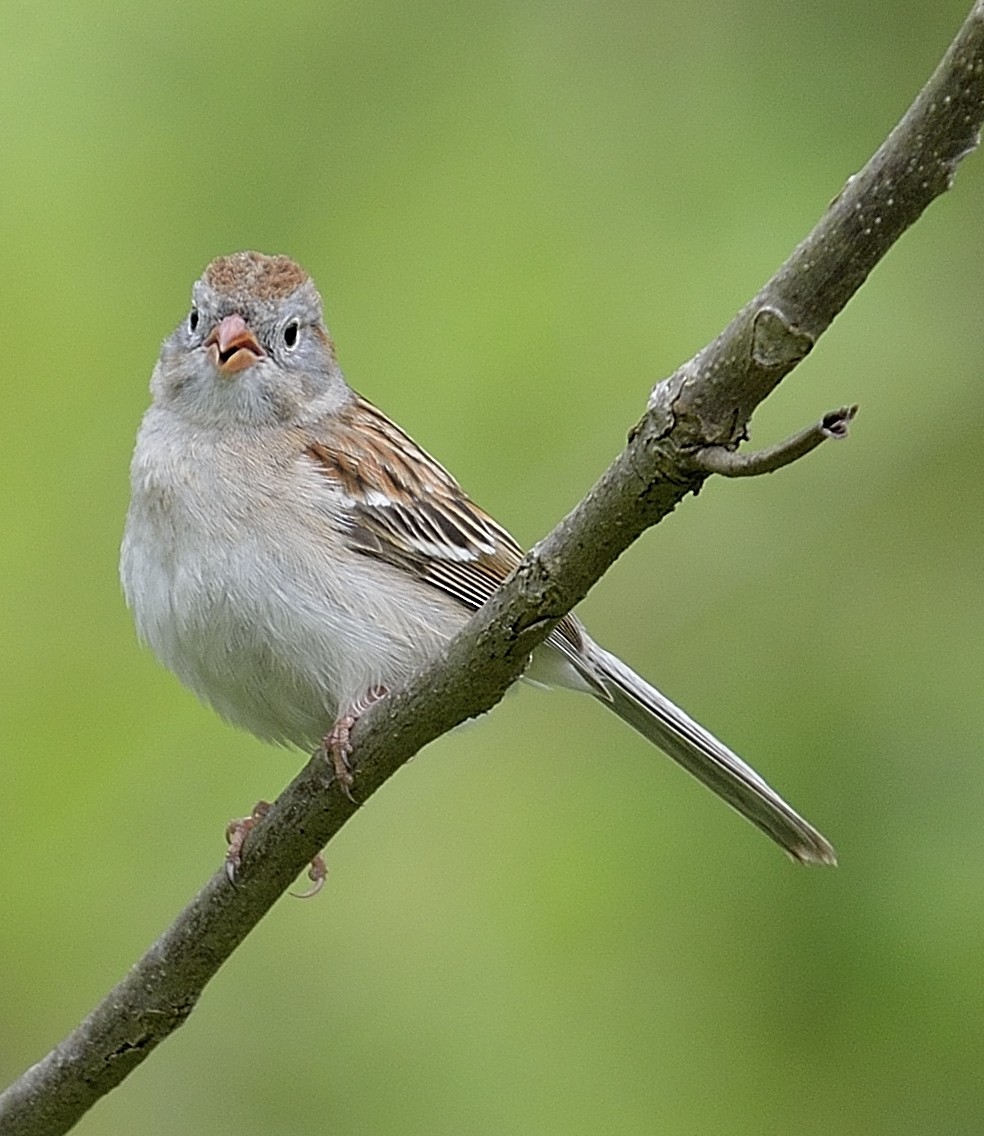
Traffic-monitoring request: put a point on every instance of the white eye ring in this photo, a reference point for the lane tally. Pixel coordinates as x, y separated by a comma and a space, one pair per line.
291, 334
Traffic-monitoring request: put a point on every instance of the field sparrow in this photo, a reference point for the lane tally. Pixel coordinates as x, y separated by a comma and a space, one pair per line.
290, 553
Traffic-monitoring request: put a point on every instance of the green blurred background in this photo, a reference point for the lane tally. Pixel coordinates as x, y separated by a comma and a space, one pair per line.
521, 215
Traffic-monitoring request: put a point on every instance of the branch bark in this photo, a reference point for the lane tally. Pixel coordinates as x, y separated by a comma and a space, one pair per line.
693, 424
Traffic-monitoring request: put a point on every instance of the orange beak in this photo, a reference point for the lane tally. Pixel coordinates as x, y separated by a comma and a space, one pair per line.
232, 346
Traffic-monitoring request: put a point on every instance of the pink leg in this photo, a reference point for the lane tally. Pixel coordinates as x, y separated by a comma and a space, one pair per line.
337, 744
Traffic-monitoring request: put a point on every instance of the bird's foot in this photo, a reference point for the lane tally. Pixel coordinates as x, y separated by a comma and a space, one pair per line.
236, 833
337, 744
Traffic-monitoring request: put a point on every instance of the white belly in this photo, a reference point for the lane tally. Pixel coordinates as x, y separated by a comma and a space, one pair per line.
278, 631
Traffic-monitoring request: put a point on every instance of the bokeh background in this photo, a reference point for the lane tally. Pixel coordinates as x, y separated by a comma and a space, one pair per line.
521, 215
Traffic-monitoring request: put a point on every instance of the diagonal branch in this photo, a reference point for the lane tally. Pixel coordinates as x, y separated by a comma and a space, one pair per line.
706, 403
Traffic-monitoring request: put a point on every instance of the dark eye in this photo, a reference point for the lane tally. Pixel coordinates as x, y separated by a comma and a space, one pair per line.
193, 320
291, 332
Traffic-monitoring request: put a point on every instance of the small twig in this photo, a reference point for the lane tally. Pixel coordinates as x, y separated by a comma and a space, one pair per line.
729, 463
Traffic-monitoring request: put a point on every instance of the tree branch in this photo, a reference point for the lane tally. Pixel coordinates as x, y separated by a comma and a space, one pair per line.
729, 463
706, 403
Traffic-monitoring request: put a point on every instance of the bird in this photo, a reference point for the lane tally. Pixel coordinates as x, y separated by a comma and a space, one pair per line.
291, 554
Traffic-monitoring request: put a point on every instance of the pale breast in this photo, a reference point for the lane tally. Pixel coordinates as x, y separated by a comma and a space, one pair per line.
240, 582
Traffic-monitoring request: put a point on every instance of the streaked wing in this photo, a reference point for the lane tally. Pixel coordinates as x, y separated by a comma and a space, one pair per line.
407, 510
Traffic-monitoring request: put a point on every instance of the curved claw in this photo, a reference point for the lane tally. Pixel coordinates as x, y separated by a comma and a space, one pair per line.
317, 873
236, 833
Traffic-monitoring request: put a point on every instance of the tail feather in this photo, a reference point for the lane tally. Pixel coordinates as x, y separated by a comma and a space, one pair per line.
699, 752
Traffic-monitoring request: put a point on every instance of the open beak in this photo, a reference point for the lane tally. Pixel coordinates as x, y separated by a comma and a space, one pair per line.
232, 346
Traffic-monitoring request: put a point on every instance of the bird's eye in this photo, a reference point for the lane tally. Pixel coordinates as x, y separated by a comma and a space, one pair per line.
291, 332
193, 320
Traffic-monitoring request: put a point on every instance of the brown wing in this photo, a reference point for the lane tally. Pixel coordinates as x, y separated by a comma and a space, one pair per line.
410, 512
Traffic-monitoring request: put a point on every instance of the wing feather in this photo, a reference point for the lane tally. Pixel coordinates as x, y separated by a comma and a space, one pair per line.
407, 510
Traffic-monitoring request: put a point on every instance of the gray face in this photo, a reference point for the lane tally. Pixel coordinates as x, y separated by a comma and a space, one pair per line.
253, 349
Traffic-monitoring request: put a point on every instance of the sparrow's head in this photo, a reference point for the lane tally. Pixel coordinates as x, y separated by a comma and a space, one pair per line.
253, 349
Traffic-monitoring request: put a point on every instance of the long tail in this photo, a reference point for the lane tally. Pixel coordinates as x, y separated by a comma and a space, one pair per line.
723, 772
